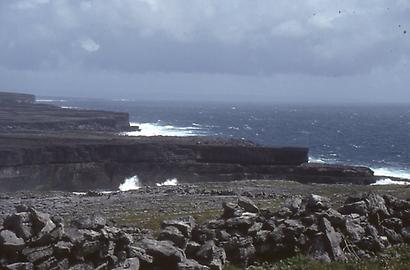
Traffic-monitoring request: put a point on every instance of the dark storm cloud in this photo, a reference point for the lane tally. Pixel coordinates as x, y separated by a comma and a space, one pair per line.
281, 42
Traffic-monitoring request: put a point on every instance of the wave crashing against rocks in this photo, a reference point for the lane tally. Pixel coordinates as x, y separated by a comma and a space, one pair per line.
363, 226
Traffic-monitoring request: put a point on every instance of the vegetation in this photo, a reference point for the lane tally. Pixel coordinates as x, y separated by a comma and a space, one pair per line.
397, 258
153, 221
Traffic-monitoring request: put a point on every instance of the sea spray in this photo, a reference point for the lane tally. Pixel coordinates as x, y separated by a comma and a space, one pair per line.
388, 181
131, 183
168, 182
156, 129
392, 172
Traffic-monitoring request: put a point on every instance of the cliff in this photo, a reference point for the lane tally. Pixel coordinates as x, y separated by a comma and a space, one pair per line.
16, 98
103, 162
20, 113
44, 147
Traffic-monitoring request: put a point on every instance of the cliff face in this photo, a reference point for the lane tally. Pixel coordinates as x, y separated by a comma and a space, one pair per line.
16, 98
56, 163
75, 164
44, 147
20, 113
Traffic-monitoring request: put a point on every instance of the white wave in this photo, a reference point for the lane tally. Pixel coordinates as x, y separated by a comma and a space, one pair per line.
168, 182
316, 160
122, 100
392, 172
50, 100
101, 192
322, 160
234, 128
388, 181
108, 192
80, 193
69, 107
132, 183
155, 129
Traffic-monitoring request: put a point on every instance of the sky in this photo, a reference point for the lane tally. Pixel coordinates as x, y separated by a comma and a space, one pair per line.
231, 50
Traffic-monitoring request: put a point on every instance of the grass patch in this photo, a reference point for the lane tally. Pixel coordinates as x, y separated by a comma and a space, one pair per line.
153, 221
202, 217
397, 258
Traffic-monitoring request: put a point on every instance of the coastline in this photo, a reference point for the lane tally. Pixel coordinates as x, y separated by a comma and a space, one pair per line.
134, 184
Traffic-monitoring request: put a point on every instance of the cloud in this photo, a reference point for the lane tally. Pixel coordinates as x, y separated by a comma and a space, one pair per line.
28, 4
238, 37
89, 45
308, 38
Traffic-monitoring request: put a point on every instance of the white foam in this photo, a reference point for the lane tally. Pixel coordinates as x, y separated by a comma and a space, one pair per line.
132, 183
322, 160
168, 182
80, 193
108, 192
102, 192
69, 107
50, 100
155, 129
392, 172
122, 99
315, 160
388, 181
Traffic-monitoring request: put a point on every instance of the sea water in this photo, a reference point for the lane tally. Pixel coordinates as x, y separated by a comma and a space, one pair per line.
371, 135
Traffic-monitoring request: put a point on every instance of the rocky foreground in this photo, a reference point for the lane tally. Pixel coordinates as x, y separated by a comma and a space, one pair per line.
363, 226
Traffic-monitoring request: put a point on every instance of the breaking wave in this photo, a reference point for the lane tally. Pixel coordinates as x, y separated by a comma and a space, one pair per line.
132, 183
392, 172
388, 181
50, 100
322, 160
168, 182
156, 129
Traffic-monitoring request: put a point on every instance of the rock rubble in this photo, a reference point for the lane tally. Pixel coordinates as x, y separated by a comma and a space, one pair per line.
364, 226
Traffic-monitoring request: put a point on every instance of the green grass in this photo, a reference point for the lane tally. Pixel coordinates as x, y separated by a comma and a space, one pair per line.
397, 258
153, 221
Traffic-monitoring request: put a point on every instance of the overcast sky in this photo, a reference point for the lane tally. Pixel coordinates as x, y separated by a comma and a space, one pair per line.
260, 50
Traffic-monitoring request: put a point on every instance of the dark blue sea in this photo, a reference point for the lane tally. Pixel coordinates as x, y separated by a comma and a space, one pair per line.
372, 135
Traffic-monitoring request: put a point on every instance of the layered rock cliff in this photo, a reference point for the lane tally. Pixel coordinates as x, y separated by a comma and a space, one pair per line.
16, 98
20, 113
44, 147
103, 162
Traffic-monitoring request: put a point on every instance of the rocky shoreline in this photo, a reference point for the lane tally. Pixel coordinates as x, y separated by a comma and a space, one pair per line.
362, 227
44, 147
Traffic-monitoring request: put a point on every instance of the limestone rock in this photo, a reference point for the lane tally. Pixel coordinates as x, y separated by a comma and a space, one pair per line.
9, 241
20, 266
332, 240
163, 252
37, 253
20, 223
247, 204
90, 222
316, 203
191, 265
183, 224
172, 234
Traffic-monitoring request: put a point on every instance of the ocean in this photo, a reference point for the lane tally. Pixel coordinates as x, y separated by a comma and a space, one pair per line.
376, 136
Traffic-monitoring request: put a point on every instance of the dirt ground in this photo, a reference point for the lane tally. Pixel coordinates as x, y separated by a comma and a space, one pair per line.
148, 206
